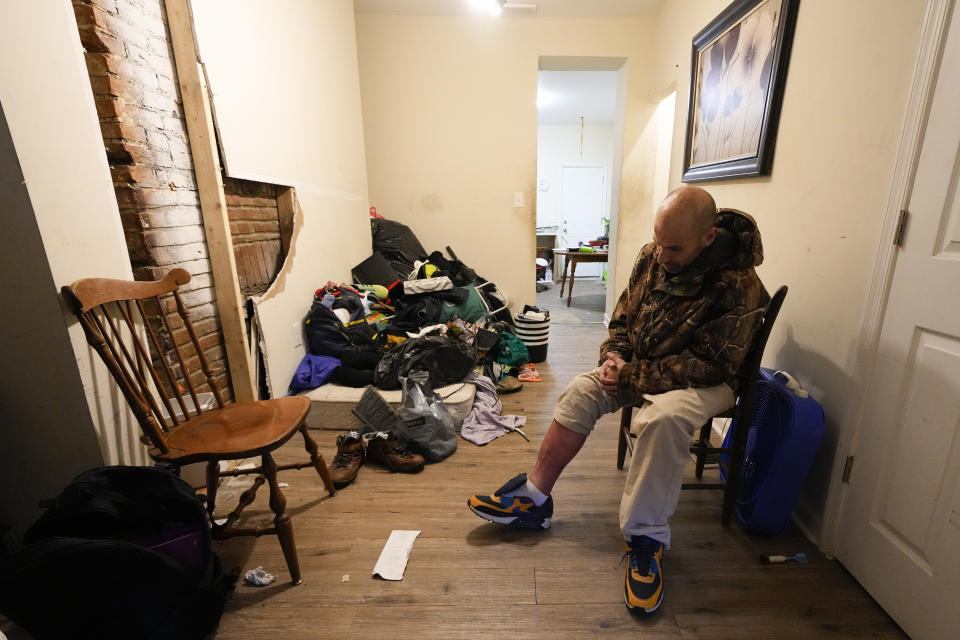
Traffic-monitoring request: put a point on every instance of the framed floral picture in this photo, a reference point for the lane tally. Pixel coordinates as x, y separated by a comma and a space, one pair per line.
737, 78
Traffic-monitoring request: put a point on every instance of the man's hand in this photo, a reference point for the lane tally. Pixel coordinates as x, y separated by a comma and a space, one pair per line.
610, 373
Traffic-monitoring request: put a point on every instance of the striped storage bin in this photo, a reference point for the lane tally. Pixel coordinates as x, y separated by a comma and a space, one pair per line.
534, 333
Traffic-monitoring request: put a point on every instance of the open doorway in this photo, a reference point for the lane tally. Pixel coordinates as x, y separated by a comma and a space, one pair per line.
579, 144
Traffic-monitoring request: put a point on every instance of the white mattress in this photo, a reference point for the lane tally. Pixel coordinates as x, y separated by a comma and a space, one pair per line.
331, 404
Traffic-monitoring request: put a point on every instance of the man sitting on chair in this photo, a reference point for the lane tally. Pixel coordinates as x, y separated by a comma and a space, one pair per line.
678, 335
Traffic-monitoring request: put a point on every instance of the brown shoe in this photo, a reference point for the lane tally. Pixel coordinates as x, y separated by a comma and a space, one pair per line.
348, 459
387, 449
509, 384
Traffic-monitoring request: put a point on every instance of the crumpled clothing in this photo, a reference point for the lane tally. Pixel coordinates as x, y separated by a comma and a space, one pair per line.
484, 423
313, 371
258, 577
533, 315
427, 285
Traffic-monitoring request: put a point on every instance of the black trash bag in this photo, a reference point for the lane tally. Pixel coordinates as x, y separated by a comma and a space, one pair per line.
397, 244
442, 359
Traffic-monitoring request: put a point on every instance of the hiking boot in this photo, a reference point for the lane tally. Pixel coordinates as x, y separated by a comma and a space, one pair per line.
643, 587
387, 449
349, 457
517, 511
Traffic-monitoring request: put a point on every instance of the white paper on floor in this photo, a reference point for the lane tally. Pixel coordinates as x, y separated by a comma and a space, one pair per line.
393, 558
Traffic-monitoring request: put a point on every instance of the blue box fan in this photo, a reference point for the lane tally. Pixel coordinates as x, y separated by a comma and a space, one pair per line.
785, 430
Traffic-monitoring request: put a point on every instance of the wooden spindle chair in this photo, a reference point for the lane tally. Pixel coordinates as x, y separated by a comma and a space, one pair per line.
729, 458
120, 319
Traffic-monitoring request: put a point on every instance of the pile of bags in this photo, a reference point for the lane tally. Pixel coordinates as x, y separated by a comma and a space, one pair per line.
415, 315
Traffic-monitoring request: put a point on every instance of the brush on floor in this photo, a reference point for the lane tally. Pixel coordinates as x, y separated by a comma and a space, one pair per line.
375, 412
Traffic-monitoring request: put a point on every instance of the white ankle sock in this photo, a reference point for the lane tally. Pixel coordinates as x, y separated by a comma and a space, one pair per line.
535, 494
530, 490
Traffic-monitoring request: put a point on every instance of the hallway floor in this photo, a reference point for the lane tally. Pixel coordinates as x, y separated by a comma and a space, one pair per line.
467, 578
586, 305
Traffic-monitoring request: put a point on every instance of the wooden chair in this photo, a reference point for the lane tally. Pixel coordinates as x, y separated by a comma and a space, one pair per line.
109, 311
740, 413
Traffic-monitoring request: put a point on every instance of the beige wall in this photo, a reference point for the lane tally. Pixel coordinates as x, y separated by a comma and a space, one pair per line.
62, 413
559, 145
821, 210
307, 133
449, 108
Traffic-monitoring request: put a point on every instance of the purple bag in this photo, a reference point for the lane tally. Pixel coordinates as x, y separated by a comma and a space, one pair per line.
313, 371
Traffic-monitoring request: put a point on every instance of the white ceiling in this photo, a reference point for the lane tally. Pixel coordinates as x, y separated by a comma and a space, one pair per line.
564, 96
545, 8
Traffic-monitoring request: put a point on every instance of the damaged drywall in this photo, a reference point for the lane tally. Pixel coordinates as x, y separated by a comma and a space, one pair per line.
306, 133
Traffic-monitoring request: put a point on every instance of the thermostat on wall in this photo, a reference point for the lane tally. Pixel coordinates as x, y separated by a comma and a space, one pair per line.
544, 184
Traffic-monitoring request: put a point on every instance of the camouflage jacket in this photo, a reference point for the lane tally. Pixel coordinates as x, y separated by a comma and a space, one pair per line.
691, 329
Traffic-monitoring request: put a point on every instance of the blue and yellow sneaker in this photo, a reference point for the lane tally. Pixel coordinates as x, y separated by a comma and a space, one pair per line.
517, 511
643, 588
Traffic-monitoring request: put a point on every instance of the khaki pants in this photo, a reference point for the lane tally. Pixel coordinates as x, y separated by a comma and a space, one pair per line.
665, 423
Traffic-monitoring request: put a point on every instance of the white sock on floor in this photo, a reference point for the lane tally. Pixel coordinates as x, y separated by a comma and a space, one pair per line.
530, 490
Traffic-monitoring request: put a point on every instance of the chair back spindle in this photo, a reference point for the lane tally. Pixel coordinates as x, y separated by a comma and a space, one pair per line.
171, 380
204, 365
127, 324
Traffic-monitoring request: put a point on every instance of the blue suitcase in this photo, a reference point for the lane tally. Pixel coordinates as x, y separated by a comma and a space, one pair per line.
785, 430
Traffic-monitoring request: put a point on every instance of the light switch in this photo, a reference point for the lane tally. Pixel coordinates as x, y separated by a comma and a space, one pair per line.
518, 199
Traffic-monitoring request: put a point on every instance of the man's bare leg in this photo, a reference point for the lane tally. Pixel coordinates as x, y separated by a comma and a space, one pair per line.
558, 448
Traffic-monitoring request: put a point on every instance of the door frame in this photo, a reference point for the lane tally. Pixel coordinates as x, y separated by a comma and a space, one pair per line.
932, 41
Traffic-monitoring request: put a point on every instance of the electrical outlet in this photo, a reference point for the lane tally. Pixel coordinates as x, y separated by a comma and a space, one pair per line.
518, 199
297, 334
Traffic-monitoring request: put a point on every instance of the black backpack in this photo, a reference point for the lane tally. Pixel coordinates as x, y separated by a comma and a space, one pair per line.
122, 552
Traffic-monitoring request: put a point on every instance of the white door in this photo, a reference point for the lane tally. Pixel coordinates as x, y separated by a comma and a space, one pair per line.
900, 525
581, 210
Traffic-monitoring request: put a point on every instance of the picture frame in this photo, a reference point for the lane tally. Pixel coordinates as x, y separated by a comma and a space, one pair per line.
737, 78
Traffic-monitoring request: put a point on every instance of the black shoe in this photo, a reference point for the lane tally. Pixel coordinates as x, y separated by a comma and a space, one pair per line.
643, 587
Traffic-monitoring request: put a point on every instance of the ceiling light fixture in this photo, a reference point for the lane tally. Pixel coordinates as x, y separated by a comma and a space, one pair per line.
496, 7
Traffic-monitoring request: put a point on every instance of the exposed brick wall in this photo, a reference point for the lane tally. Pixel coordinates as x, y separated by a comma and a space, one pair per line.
133, 78
255, 227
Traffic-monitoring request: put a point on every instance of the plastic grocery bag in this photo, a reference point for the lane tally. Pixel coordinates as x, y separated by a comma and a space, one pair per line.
426, 421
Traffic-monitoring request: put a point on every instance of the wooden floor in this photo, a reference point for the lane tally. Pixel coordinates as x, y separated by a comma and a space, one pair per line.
467, 578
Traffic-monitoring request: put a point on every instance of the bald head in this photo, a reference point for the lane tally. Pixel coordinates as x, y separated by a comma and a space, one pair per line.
683, 227
690, 206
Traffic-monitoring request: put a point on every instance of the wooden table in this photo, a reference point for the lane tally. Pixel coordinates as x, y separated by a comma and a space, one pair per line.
572, 258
